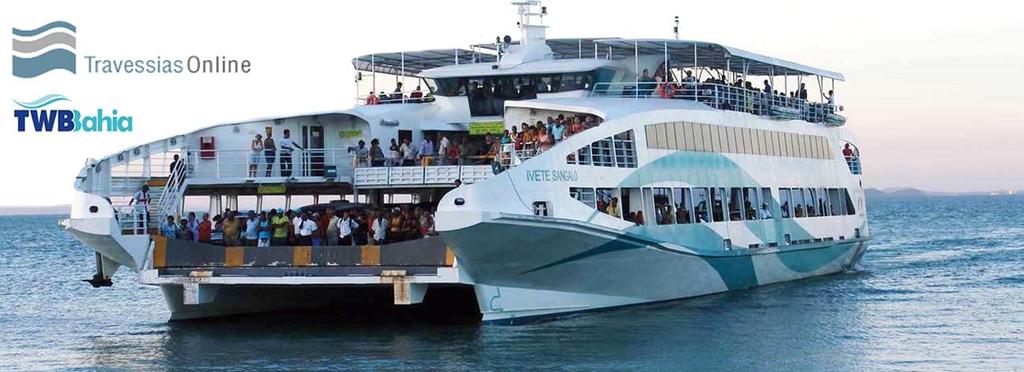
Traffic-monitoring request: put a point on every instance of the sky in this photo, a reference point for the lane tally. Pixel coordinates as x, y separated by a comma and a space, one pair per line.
933, 90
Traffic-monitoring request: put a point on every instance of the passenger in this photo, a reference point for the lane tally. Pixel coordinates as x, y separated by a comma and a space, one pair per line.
231, 229
785, 210
255, 148
395, 226
426, 151
443, 144
426, 222
799, 210
263, 230
193, 226
287, 147
323, 224
380, 228
394, 154
639, 218
141, 201
557, 132
252, 229
765, 213
666, 89
279, 225
376, 154
306, 228
410, 225
613, 208
217, 234
372, 99
346, 227
767, 87
544, 140
183, 232
682, 215
408, 153
295, 222
416, 95
802, 93
647, 84
169, 229
397, 96
332, 228
464, 153
269, 152
848, 155
362, 155
383, 98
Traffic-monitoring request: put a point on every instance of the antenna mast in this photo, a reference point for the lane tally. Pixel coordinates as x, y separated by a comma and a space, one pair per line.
675, 30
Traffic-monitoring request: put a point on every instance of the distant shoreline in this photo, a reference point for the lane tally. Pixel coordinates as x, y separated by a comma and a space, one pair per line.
34, 211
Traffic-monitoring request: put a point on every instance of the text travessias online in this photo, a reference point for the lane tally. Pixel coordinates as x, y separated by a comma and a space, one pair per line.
159, 65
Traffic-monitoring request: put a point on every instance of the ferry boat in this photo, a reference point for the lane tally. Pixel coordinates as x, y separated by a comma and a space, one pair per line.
665, 175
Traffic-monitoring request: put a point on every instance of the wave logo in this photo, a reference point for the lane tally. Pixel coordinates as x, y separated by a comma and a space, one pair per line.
64, 120
47, 48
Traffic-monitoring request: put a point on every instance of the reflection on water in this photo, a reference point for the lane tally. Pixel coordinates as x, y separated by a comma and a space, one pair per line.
941, 287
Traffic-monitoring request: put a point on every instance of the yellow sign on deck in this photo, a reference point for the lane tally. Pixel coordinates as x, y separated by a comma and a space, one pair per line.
350, 133
270, 189
486, 127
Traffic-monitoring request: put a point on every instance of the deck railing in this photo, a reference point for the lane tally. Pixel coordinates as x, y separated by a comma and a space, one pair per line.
240, 165
727, 97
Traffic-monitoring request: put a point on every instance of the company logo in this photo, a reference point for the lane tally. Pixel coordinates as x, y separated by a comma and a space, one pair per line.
47, 48
35, 115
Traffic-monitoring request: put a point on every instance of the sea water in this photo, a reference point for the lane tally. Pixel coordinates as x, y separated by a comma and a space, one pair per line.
941, 287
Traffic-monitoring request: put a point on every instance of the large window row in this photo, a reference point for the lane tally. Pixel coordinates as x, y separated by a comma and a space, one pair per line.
725, 139
616, 151
684, 205
815, 202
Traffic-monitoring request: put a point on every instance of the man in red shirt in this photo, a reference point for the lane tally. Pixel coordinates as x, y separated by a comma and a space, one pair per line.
205, 228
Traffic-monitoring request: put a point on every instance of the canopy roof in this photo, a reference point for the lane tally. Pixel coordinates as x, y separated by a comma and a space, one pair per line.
417, 61
680, 53
711, 55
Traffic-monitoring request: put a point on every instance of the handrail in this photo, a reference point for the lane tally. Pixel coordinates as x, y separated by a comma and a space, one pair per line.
248, 165
726, 97
170, 198
390, 97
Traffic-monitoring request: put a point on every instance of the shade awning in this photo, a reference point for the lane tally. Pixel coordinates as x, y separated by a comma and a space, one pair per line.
413, 62
717, 56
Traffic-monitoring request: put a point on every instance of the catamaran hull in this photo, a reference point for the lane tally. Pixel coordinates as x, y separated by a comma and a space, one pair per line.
526, 270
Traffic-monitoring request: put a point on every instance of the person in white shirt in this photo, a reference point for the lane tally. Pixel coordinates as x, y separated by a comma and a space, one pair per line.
442, 148
346, 226
296, 223
251, 230
408, 153
141, 205
765, 213
306, 229
380, 229
287, 146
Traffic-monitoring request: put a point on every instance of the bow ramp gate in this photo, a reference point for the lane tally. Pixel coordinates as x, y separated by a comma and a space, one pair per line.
204, 280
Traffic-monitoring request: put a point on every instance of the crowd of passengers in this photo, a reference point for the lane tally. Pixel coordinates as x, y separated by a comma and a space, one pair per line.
398, 96
278, 227
664, 214
526, 139
739, 95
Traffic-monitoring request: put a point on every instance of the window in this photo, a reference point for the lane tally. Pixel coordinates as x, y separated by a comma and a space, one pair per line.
541, 209
823, 207
850, 209
717, 204
601, 151
664, 214
701, 204
625, 152
683, 205
809, 202
735, 201
836, 205
798, 203
765, 211
608, 202
631, 202
585, 195
786, 207
750, 203
648, 214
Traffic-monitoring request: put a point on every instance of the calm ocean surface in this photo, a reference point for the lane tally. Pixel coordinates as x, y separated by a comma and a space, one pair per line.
942, 287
